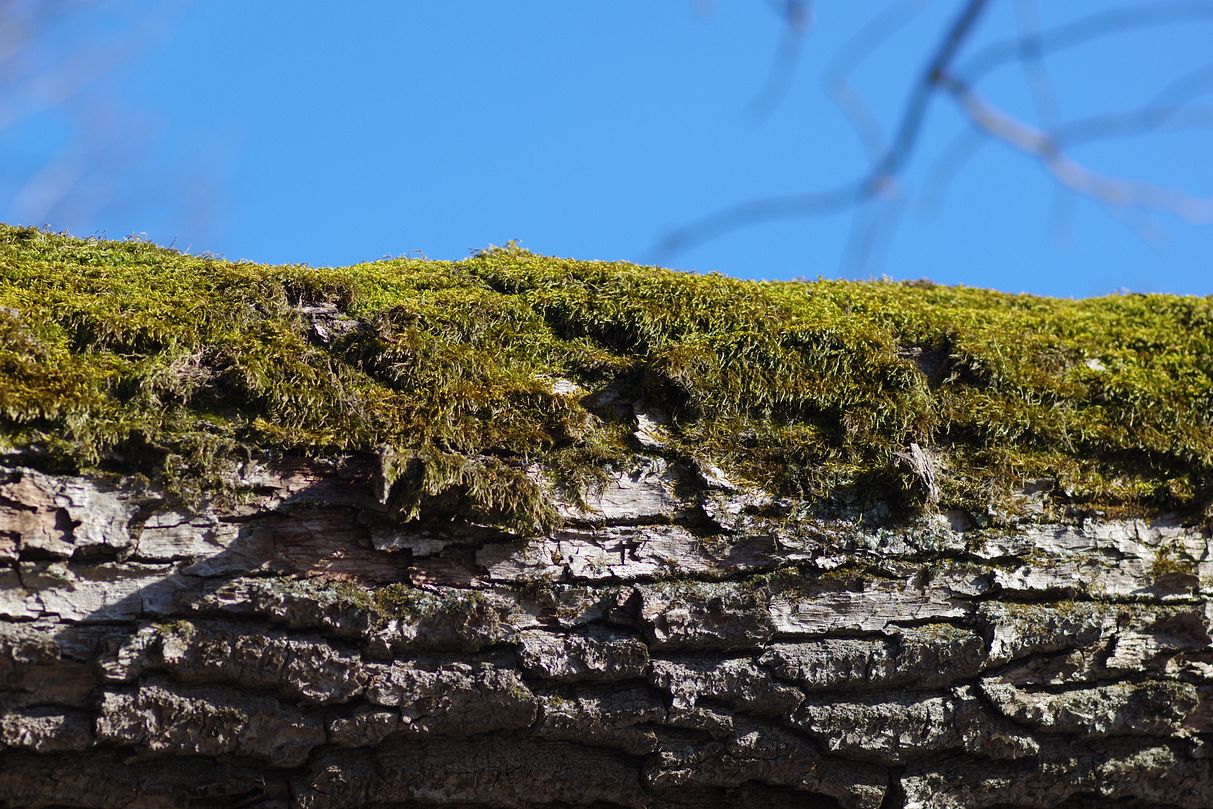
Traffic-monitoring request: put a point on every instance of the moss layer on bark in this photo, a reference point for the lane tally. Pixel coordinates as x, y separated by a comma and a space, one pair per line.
477, 380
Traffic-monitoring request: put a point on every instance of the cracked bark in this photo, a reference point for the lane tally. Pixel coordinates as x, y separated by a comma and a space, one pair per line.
682, 643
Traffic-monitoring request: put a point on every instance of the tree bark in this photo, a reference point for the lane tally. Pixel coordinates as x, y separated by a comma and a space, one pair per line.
680, 642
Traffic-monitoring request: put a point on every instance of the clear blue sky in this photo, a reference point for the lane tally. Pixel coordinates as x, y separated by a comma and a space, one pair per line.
331, 133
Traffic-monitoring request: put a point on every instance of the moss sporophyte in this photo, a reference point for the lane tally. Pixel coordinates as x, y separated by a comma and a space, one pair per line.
127, 357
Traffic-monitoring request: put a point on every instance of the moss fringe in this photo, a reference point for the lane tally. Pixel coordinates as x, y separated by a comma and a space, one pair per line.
130, 357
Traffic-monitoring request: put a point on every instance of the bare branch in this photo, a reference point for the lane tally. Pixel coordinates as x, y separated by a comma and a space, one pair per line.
836, 79
1087, 29
1065, 170
1170, 108
906, 137
955, 156
1187, 87
1134, 122
1031, 58
753, 212
796, 19
872, 230
52, 182
47, 70
875, 181
1043, 141
1044, 98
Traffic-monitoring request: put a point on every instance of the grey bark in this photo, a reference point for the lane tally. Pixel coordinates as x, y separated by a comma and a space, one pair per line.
681, 642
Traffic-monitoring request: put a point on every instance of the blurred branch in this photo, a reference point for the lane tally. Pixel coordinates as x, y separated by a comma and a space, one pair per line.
876, 220
54, 58
1064, 169
1032, 58
955, 156
796, 19
1044, 141
51, 183
871, 184
1085, 30
1044, 96
837, 77
1170, 108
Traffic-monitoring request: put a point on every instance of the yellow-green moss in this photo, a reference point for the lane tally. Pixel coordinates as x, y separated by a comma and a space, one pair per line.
127, 356
402, 602
1171, 561
180, 628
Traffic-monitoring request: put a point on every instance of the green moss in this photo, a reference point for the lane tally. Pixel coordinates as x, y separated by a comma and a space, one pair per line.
181, 628
405, 602
402, 601
399, 602
1171, 561
941, 633
346, 592
133, 358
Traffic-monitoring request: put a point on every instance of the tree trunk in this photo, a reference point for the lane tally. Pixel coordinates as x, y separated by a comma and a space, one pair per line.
680, 642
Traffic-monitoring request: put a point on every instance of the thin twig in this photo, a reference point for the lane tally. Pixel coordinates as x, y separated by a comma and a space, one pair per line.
836, 78
954, 157
1084, 30
796, 17
1064, 169
1168, 109
868, 185
872, 230
1134, 122
1044, 97
1032, 60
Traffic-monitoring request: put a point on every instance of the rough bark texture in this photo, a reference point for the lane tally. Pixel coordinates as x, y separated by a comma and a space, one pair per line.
680, 643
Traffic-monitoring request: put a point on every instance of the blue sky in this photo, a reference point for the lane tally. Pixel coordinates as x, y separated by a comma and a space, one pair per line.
332, 133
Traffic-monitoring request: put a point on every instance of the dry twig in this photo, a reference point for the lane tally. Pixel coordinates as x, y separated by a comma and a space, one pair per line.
944, 76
